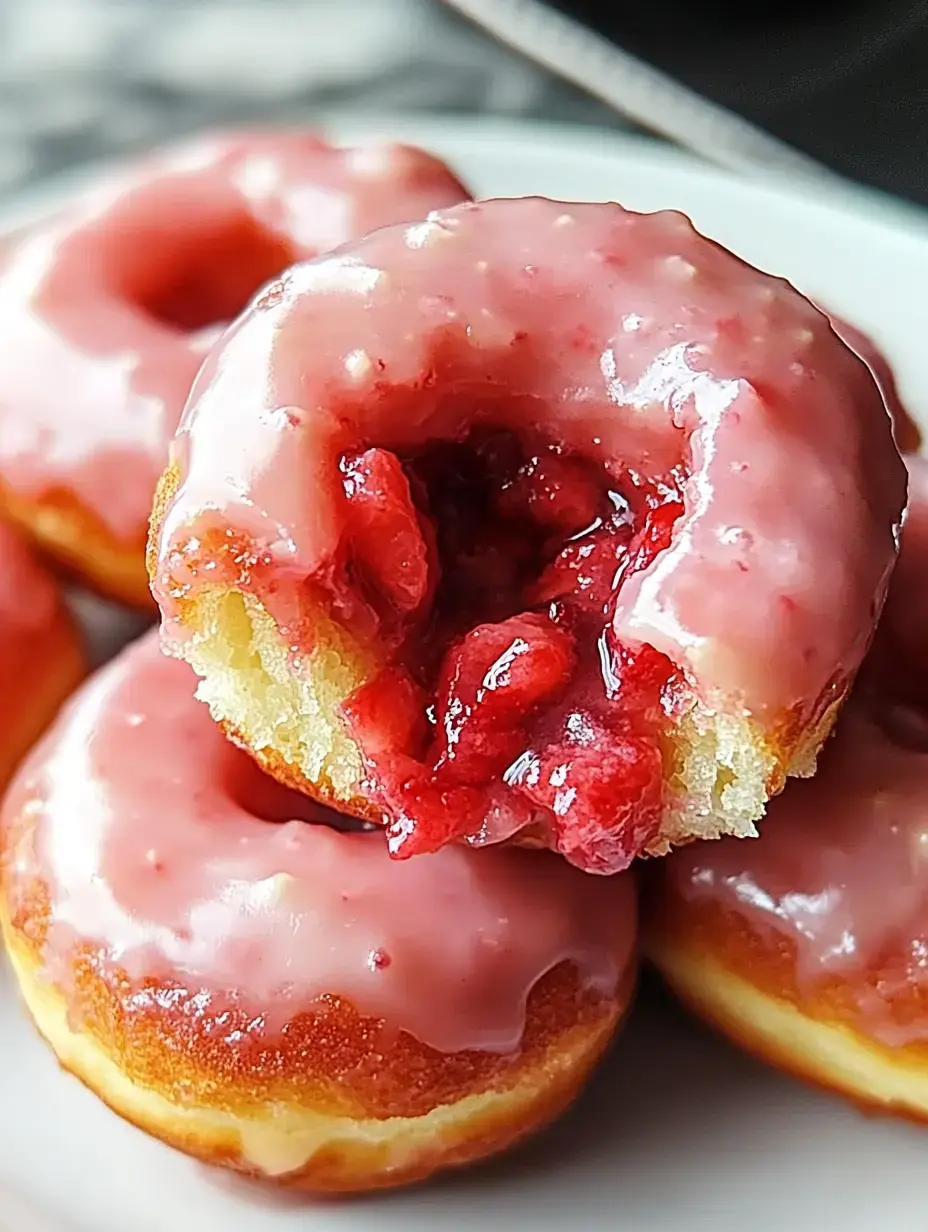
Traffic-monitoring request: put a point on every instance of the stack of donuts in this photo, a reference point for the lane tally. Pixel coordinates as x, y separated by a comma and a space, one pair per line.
496, 546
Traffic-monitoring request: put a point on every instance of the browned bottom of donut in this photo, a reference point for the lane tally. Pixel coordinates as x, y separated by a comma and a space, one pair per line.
75, 539
745, 985
334, 1103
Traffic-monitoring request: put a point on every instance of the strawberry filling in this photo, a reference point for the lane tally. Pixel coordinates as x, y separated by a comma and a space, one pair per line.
492, 571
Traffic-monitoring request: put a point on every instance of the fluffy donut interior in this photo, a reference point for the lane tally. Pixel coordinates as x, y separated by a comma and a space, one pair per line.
290, 720
719, 768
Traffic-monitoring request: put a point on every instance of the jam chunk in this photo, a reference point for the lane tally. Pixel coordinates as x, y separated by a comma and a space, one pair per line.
508, 708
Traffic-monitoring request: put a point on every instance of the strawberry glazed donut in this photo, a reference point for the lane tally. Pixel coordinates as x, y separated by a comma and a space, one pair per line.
41, 659
277, 996
907, 432
810, 946
532, 519
106, 312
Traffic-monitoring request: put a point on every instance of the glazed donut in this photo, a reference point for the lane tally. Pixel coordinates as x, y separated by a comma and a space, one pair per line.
41, 659
277, 996
907, 432
808, 947
532, 519
106, 311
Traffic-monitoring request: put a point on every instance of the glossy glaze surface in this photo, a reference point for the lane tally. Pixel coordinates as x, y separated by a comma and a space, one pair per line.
165, 849
705, 487
106, 311
627, 338
841, 868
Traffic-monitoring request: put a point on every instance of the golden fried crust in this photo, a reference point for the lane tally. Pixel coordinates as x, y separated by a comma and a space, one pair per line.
319, 789
164, 494
745, 984
365, 1106
799, 738
332, 1059
45, 685
81, 545
268, 758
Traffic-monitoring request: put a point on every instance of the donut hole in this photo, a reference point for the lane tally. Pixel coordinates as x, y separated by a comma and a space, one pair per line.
487, 551
195, 279
492, 565
264, 798
905, 724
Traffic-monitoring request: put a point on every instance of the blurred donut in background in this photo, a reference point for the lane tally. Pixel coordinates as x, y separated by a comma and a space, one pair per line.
107, 310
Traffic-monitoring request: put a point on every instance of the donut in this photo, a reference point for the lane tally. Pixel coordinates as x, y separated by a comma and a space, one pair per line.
272, 994
532, 521
809, 947
907, 432
107, 309
41, 658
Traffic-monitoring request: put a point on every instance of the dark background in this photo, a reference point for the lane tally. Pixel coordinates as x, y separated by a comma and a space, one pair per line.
843, 80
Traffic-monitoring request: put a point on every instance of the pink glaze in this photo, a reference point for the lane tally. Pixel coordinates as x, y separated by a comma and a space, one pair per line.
906, 430
92, 382
29, 607
629, 338
163, 845
842, 866
29, 598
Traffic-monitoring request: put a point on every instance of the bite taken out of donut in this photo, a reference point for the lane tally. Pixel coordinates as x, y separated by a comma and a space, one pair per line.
533, 519
273, 995
107, 309
41, 657
809, 947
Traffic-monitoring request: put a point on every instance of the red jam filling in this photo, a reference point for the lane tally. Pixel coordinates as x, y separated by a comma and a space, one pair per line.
492, 571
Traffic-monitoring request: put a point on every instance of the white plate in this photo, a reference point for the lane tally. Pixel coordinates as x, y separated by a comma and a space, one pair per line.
678, 1132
